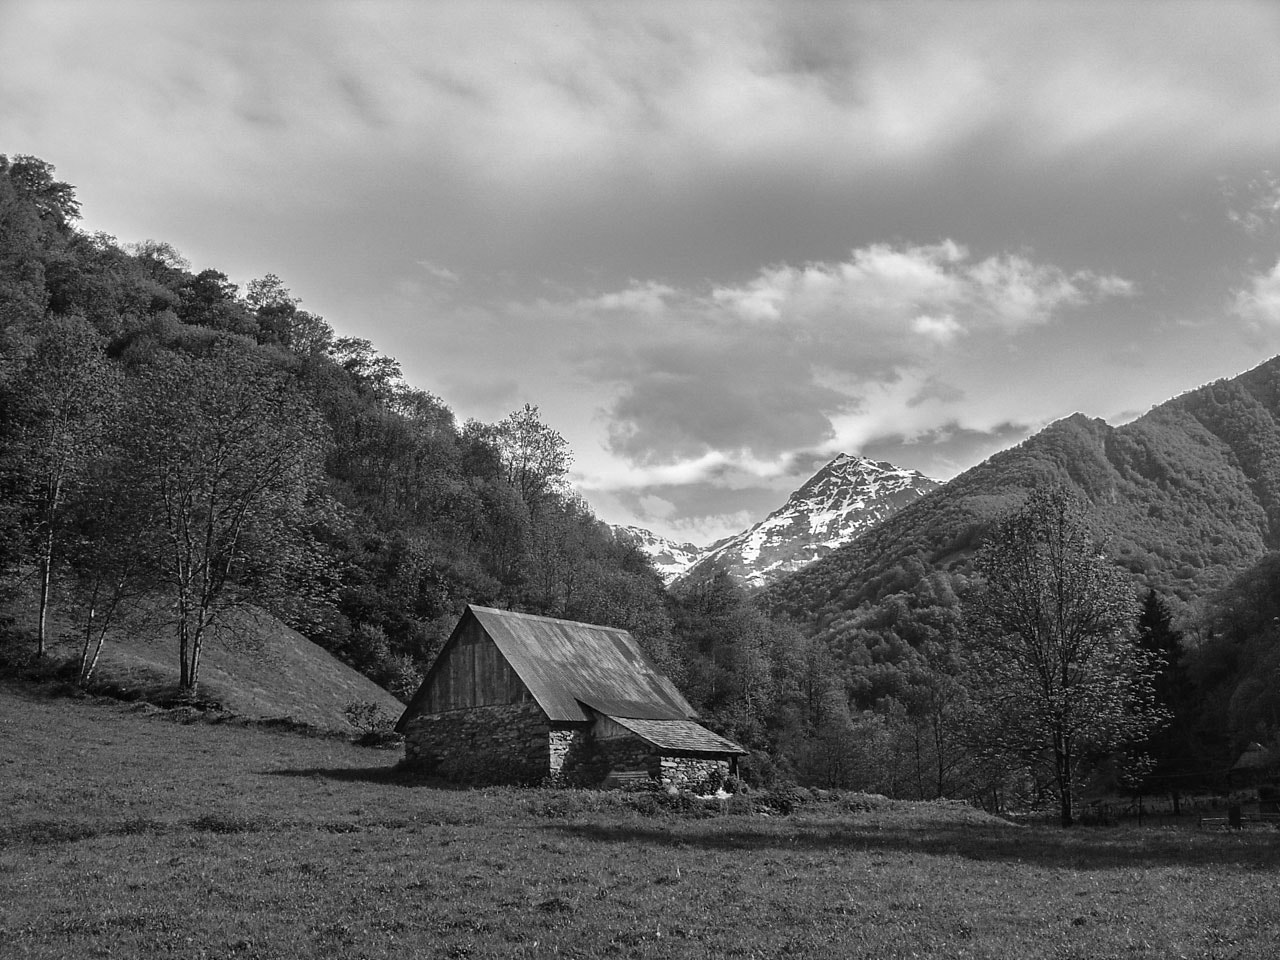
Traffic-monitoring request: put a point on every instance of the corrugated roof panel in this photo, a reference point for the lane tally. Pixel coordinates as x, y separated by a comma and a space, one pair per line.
565, 664
679, 735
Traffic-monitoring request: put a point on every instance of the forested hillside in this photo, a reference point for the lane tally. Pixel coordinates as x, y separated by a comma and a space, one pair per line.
1186, 497
174, 448
1183, 501
160, 430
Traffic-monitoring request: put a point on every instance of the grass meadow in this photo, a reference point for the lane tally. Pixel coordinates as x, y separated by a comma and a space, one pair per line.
124, 834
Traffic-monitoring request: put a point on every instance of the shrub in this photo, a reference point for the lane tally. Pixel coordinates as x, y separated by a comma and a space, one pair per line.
376, 728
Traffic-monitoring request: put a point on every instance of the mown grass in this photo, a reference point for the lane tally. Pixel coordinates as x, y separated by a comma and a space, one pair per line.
124, 835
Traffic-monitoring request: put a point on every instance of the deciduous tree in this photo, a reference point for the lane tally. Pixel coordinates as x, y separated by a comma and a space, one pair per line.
226, 454
1057, 676
66, 392
536, 457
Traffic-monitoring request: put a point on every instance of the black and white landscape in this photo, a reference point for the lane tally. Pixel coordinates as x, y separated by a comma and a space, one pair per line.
513, 479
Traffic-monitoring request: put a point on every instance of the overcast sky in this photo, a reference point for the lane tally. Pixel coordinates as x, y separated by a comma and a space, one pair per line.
716, 244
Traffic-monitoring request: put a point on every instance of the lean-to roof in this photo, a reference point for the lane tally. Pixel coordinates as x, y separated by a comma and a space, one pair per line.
678, 735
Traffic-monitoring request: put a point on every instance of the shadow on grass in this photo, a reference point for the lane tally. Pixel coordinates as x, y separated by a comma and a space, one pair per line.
1085, 849
393, 775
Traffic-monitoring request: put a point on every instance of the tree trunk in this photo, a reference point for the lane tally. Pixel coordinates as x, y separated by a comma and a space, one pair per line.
939, 747
197, 643
97, 652
46, 570
1062, 759
88, 641
184, 662
46, 561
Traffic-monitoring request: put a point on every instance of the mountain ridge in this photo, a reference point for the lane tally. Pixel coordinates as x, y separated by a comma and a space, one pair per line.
846, 496
1186, 496
849, 495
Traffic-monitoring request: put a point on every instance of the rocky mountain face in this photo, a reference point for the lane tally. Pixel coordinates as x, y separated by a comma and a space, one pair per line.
840, 501
670, 559
844, 498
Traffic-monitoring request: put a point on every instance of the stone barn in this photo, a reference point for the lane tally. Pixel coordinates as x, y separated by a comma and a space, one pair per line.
515, 698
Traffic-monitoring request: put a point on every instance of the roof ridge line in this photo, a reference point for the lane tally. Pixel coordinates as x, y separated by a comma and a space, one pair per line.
538, 616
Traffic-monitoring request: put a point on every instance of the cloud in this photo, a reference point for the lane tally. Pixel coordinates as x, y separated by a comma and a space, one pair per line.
1259, 302
706, 529
522, 105
648, 298
787, 359
944, 329
943, 451
655, 507
439, 272
1253, 205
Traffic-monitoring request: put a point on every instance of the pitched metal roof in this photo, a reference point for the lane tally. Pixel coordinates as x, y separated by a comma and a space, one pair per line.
679, 735
566, 664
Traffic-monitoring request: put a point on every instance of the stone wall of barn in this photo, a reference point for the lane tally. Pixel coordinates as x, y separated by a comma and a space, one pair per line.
594, 762
609, 761
503, 743
515, 743
563, 745
692, 771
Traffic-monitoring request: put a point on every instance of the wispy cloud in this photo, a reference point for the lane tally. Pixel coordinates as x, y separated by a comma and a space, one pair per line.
1253, 204
1259, 301
778, 362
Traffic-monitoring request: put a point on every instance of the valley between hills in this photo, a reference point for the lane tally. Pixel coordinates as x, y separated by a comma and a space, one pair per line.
208, 491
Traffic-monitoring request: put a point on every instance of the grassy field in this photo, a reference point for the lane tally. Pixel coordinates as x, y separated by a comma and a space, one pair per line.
128, 835
254, 666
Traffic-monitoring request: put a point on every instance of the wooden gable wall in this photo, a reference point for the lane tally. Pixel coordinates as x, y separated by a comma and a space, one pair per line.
472, 672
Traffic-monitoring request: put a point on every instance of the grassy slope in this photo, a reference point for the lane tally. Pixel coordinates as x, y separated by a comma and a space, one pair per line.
258, 668
131, 836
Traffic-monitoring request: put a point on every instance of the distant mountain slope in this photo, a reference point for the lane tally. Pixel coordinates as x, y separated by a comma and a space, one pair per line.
1188, 495
669, 558
844, 498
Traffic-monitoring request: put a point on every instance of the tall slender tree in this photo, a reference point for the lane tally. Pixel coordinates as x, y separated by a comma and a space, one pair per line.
226, 453
1058, 678
66, 390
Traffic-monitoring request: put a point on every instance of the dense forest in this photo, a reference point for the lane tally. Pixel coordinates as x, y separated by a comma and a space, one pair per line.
174, 446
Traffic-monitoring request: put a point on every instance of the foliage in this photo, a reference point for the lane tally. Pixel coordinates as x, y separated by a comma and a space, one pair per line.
1058, 680
1176, 755
254, 454
225, 454
534, 457
1187, 496
65, 393
1233, 669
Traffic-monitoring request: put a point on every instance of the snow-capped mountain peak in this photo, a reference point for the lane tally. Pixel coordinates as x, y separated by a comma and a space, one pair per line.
837, 503
672, 560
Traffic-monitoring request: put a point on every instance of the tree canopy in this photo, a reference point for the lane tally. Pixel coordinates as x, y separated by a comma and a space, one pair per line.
1061, 680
